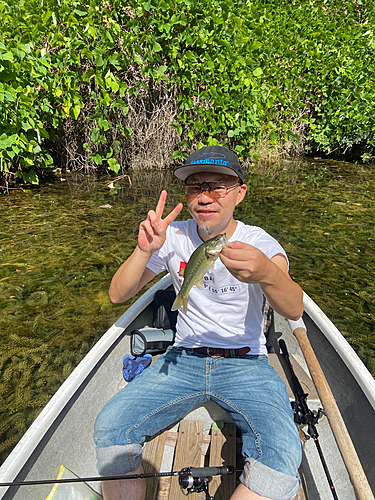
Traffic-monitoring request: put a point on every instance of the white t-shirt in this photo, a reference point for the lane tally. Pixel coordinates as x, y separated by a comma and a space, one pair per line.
226, 313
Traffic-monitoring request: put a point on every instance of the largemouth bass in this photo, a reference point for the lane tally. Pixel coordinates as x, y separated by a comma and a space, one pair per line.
202, 260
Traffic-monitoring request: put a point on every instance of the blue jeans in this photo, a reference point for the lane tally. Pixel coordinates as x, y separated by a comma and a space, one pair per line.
246, 387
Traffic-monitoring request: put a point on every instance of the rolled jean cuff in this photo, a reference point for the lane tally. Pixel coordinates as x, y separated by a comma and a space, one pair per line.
268, 482
118, 459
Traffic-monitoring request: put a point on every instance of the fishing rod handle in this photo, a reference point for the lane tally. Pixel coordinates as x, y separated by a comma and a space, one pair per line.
283, 348
298, 391
210, 471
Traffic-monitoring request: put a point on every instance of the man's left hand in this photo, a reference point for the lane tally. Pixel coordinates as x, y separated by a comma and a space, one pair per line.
245, 262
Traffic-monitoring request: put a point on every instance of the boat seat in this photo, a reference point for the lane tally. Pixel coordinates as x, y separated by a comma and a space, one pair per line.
189, 446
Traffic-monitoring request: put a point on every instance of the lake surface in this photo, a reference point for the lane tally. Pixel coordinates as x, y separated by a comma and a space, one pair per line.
61, 243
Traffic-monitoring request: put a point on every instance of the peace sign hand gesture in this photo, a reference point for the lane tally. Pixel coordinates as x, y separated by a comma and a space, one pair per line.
152, 231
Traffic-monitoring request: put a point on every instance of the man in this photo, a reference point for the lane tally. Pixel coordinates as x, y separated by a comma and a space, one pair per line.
219, 352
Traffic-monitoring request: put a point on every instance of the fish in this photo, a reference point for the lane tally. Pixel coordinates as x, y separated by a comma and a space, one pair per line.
202, 260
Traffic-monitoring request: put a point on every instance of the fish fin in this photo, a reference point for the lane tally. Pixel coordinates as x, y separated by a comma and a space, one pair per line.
199, 284
181, 272
212, 266
180, 304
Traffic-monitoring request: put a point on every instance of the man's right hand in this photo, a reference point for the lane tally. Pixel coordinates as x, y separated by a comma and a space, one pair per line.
152, 231
134, 274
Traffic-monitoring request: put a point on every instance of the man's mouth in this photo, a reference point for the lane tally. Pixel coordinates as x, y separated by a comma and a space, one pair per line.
205, 212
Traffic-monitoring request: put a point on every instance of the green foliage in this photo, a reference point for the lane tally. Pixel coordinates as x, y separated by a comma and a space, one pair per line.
321, 60
272, 67
237, 70
55, 58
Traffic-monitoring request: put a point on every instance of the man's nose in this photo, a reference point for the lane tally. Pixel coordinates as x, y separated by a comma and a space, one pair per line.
205, 194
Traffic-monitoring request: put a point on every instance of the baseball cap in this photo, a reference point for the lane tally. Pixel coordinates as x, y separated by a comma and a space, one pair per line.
210, 159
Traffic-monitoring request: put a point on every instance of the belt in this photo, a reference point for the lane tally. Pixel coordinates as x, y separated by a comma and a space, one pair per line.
222, 353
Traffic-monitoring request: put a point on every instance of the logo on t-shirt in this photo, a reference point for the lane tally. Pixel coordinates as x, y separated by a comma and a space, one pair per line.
182, 265
209, 285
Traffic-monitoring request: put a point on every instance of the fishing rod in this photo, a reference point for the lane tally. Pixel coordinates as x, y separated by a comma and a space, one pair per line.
192, 479
304, 416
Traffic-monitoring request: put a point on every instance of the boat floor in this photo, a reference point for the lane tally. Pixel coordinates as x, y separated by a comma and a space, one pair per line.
69, 440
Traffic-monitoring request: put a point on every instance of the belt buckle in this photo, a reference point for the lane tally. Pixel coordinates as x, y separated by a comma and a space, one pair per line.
212, 355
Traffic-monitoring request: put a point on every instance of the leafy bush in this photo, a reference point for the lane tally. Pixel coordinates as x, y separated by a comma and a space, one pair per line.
52, 65
212, 72
321, 60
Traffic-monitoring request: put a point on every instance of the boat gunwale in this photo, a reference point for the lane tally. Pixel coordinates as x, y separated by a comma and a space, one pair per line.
351, 359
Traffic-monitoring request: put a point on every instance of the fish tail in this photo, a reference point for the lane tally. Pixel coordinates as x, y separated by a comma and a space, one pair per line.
180, 303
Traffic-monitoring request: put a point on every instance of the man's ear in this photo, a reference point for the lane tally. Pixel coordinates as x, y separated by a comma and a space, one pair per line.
241, 193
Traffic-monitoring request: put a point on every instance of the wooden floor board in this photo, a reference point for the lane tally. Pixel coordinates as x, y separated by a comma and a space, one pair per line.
152, 458
188, 453
223, 452
191, 447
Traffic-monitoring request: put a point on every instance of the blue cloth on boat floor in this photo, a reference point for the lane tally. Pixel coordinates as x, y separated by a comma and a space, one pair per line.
134, 366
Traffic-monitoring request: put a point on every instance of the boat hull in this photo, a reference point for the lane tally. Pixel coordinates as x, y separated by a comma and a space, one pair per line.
62, 434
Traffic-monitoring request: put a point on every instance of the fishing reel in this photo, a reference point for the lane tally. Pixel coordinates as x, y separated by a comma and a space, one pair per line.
190, 484
309, 418
195, 480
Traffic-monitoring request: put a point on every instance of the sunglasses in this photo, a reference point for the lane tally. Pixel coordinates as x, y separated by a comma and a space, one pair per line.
215, 189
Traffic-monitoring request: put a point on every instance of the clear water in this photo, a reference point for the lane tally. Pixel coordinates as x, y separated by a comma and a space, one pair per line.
61, 243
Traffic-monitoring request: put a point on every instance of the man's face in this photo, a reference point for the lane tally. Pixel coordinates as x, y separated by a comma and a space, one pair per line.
215, 215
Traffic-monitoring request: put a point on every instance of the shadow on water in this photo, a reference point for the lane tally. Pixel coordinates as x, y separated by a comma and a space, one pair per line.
62, 242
